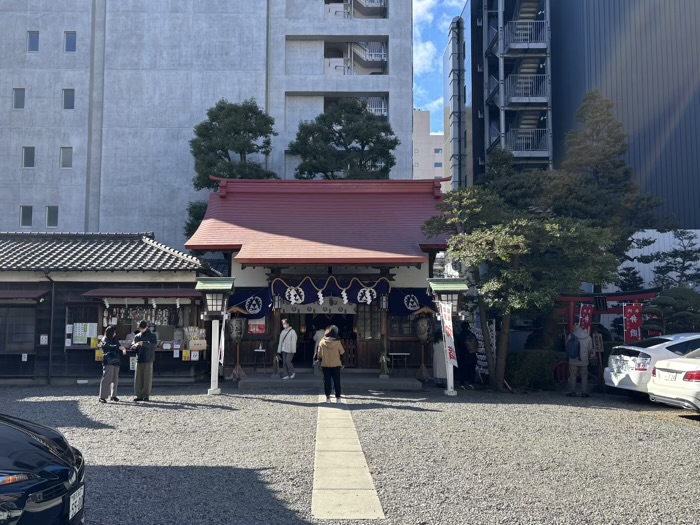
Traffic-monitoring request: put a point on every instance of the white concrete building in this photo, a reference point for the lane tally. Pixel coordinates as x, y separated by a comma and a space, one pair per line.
98, 99
428, 149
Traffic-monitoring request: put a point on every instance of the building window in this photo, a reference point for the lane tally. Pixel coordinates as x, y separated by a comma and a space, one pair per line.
25, 216
18, 98
70, 40
438, 151
438, 164
69, 99
66, 157
28, 157
52, 216
32, 41
401, 326
17, 330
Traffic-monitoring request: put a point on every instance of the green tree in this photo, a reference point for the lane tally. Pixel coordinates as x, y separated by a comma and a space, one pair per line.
347, 141
195, 214
522, 256
677, 267
600, 188
673, 311
629, 280
224, 142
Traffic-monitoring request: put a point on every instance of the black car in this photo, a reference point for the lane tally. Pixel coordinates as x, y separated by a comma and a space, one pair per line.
42, 478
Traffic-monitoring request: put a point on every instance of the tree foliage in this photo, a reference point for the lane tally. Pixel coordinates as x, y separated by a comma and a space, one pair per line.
673, 311
679, 266
347, 141
224, 142
629, 280
522, 256
600, 188
195, 214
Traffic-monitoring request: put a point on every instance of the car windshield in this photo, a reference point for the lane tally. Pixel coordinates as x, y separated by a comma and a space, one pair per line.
646, 343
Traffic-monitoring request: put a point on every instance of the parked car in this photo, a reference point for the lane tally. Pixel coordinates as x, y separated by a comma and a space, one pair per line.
630, 365
42, 478
676, 382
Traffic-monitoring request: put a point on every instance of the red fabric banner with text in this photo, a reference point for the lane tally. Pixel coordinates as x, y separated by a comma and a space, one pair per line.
632, 314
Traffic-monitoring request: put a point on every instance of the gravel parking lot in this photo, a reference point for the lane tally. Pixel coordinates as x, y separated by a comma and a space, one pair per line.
247, 458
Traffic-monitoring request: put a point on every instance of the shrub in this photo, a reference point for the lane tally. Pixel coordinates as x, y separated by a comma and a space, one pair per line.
533, 369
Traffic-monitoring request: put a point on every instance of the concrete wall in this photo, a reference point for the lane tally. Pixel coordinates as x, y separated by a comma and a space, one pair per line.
144, 74
43, 123
424, 149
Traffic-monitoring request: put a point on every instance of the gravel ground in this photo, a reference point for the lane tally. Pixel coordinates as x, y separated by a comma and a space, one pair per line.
247, 458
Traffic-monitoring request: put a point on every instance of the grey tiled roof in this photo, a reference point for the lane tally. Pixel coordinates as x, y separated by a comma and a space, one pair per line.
124, 252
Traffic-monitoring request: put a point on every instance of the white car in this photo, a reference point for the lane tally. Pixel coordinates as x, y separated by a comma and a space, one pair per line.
676, 382
630, 365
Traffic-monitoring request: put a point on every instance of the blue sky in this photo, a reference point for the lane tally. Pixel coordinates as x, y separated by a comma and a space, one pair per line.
431, 21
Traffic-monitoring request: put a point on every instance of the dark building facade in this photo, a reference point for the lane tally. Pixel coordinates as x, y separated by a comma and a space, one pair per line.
644, 55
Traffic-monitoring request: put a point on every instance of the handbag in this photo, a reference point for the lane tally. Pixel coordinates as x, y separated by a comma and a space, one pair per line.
317, 368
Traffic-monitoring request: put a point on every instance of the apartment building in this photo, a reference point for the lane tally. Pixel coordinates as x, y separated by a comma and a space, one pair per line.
428, 149
98, 99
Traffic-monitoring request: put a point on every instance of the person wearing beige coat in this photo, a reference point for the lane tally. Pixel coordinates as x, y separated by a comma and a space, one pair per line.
330, 352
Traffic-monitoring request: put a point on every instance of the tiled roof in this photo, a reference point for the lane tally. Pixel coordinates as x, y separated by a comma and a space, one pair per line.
320, 222
124, 252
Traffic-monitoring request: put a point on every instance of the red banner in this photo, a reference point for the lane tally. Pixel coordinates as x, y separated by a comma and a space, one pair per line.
632, 314
586, 318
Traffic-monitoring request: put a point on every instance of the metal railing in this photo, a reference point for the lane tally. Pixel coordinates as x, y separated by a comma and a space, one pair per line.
377, 105
372, 3
526, 140
526, 32
526, 86
370, 51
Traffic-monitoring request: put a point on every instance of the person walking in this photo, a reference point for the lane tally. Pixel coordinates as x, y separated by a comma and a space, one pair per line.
580, 340
145, 343
330, 352
287, 347
111, 362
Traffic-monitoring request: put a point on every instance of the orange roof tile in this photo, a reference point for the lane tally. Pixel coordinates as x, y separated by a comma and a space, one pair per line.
320, 222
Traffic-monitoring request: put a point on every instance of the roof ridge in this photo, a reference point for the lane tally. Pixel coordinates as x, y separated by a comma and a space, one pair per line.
172, 251
81, 235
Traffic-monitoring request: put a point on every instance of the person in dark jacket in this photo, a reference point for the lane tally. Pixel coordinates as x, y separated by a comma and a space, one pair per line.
111, 361
145, 343
467, 346
330, 352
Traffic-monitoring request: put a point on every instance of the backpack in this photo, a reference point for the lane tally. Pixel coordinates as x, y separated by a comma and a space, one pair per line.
573, 348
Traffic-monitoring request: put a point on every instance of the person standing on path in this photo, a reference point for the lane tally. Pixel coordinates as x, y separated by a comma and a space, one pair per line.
579, 366
287, 347
330, 352
145, 343
111, 362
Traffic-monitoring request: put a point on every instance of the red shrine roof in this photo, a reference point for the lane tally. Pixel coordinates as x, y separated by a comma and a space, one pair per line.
320, 222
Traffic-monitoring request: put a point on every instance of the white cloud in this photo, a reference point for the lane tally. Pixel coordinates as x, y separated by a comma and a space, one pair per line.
435, 105
424, 54
423, 11
453, 4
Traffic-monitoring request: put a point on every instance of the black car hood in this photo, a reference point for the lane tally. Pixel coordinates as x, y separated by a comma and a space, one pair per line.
32, 448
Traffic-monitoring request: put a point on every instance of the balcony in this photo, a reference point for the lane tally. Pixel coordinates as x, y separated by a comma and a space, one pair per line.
530, 143
526, 35
527, 89
356, 9
355, 58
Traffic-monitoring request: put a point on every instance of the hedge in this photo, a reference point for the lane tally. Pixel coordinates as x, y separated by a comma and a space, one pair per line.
533, 369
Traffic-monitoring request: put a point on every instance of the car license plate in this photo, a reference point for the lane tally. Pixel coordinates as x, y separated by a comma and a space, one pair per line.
76, 502
668, 376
